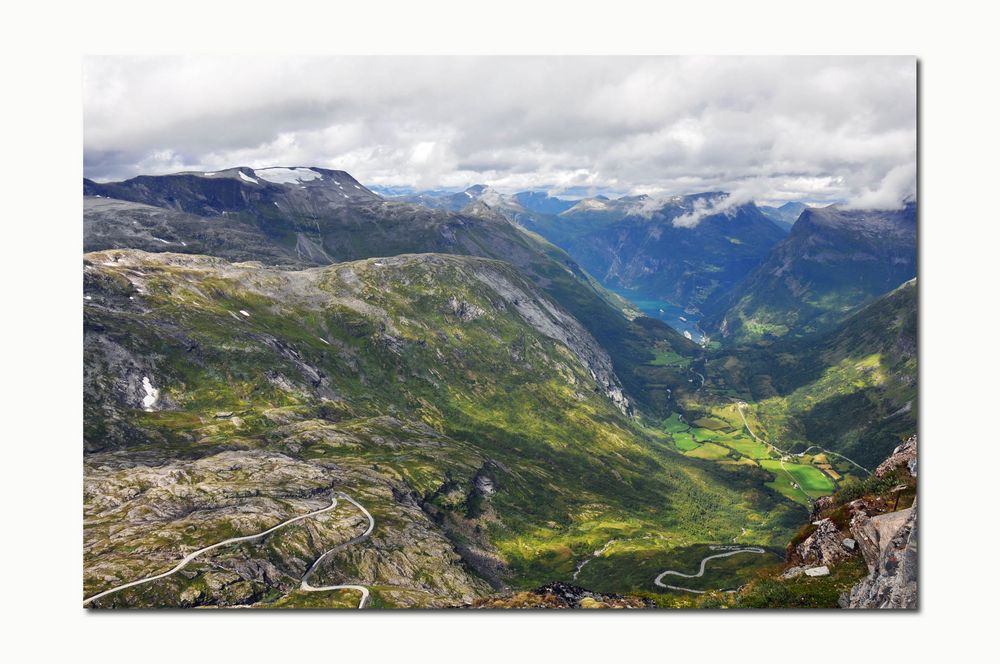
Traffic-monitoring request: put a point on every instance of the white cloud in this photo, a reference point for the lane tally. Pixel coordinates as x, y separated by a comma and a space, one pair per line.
898, 186
830, 129
706, 207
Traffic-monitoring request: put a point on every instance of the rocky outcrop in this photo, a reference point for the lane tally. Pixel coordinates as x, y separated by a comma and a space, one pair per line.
892, 582
873, 534
465, 311
825, 546
867, 538
561, 595
888, 543
904, 455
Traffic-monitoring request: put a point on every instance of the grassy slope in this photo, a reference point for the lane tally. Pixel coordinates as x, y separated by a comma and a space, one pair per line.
389, 351
833, 262
371, 228
851, 390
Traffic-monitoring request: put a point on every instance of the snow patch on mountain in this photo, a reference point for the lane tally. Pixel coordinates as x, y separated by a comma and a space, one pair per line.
152, 394
279, 175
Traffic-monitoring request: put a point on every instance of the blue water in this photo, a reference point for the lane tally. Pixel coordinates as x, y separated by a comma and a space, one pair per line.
669, 313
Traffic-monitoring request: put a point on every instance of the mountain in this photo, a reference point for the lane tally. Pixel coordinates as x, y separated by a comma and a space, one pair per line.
110, 223
541, 203
537, 202
295, 217
440, 408
454, 201
632, 245
833, 261
784, 215
451, 398
851, 389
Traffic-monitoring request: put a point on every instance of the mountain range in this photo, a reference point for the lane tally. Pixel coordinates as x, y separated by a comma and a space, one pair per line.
785, 215
832, 262
465, 366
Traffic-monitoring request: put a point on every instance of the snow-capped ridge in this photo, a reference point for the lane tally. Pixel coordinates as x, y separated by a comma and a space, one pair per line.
284, 175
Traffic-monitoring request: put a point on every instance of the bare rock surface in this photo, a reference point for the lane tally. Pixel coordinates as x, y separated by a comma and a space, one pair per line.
892, 583
824, 547
905, 455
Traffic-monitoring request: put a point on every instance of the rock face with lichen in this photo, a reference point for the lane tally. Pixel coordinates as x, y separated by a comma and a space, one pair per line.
888, 543
892, 582
904, 455
825, 546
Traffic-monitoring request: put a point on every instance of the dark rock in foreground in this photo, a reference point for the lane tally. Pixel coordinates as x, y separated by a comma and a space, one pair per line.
559, 595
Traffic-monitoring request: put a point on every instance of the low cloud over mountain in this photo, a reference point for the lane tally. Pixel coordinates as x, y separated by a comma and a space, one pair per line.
814, 129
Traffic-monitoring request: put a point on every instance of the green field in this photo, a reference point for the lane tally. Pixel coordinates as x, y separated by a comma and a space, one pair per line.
674, 423
811, 481
716, 436
709, 451
710, 423
684, 441
666, 358
750, 448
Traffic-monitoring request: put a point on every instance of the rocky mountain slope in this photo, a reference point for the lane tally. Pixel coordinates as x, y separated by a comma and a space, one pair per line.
462, 405
303, 216
523, 202
832, 262
784, 215
110, 223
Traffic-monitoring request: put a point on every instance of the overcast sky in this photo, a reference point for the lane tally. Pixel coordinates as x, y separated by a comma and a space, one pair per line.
771, 129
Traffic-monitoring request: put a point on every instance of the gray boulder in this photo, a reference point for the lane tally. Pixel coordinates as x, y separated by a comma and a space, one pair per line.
823, 547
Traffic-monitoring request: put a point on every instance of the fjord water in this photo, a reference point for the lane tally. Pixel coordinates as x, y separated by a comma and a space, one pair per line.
668, 312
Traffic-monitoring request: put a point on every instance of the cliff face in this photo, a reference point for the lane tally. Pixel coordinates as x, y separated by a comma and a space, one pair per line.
892, 582
888, 543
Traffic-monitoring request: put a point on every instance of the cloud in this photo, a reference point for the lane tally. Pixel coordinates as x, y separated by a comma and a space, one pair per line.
898, 187
820, 128
707, 207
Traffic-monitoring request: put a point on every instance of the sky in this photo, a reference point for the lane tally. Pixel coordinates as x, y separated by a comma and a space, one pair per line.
770, 129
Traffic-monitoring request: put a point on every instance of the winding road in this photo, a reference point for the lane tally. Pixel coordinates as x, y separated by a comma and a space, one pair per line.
247, 538
701, 570
740, 405
360, 538
699, 375
841, 456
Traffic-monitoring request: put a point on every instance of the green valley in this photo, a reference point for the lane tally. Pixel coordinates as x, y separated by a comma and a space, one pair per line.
347, 376
507, 421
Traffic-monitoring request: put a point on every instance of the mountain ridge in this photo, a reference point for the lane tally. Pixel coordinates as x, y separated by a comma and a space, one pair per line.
833, 261
316, 224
